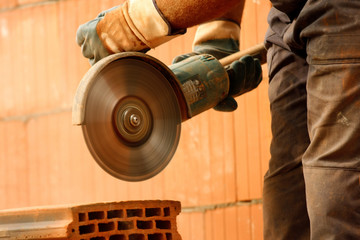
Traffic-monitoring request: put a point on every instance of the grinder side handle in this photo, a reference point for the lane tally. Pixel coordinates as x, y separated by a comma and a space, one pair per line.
257, 51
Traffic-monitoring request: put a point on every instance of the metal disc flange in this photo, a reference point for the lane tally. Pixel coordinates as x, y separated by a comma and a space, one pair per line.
132, 119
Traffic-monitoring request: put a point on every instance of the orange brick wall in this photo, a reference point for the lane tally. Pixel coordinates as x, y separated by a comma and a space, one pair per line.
216, 172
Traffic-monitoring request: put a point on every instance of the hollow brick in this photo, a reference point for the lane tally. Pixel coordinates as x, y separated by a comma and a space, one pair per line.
130, 220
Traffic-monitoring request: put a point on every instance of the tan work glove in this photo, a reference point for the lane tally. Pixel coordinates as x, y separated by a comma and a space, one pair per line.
137, 25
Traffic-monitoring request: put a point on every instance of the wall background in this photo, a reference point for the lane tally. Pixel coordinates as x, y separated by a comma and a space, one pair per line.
216, 172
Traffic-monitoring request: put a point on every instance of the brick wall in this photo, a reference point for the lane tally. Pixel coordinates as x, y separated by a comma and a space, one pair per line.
216, 172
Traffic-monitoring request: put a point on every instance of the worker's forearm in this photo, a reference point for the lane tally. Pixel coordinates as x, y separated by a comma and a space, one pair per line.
186, 13
235, 13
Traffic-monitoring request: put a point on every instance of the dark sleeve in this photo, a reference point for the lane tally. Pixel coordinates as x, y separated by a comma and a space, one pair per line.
291, 7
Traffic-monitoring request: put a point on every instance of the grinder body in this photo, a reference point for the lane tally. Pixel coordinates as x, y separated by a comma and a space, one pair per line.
204, 83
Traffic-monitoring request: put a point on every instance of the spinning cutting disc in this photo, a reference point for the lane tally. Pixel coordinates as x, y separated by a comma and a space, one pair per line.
132, 119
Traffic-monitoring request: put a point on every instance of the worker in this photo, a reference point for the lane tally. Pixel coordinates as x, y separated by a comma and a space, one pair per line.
311, 190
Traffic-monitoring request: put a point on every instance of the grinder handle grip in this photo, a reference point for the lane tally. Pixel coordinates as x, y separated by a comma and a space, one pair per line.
257, 51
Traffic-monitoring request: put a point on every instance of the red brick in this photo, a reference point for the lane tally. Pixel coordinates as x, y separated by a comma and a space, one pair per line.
4, 4
254, 146
217, 157
218, 223
230, 158
230, 223
191, 225
34, 80
14, 165
64, 176
148, 220
241, 151
6, 92
197, 226
209, 227
244, 223
257, 222
184, 225
204, 162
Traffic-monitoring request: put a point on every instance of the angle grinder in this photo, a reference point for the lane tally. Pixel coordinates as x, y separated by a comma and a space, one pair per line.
130, 107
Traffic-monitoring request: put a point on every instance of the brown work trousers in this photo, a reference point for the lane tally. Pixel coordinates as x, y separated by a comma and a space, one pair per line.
312, 187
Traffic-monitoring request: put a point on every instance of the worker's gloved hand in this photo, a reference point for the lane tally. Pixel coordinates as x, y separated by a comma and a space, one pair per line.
137, 25
87, 37
245, 75
220, 38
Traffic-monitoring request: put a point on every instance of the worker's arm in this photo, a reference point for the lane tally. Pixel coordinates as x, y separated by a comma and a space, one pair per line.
138, 25
188, 13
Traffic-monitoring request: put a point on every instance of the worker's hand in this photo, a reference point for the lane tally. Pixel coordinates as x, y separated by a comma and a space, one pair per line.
134, 26
244, 74
218, 38
87, 37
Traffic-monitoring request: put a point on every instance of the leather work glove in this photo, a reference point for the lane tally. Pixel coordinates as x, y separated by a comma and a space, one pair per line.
220, 38
87, 37
136, 25
244, 75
